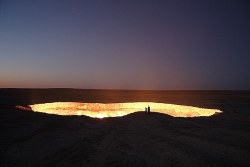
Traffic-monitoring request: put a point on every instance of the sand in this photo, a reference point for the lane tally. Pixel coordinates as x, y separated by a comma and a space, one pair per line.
37, 139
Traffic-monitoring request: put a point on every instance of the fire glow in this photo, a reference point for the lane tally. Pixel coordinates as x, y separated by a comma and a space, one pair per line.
100, 110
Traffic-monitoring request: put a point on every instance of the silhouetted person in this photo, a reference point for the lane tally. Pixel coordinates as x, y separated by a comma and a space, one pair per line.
148, 109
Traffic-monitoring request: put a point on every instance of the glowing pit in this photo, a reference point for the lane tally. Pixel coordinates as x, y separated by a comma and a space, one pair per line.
100, 110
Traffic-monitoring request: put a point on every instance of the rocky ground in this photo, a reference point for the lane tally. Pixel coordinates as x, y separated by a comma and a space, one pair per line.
37, 139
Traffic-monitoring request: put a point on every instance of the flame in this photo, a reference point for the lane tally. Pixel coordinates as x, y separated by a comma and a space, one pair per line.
100, 116
100, 110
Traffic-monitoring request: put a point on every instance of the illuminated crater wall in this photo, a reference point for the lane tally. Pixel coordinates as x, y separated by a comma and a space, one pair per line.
100, 110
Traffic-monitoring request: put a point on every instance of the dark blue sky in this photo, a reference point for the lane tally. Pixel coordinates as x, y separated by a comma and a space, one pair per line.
125, 44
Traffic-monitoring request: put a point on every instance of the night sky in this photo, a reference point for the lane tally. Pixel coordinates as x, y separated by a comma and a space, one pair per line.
176, 44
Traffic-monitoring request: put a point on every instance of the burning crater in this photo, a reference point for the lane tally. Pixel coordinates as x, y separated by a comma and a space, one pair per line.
100, 110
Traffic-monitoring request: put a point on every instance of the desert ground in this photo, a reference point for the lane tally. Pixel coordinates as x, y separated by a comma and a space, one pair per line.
37, 139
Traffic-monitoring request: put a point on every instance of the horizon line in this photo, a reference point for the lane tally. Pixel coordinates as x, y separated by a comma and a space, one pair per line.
135, 89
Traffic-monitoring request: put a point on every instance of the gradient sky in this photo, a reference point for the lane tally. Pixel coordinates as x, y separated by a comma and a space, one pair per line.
175, 44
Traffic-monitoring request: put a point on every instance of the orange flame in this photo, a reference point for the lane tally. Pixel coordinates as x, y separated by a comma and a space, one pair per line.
100, 110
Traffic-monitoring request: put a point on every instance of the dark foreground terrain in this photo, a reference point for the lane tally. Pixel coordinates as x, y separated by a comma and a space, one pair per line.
36, 139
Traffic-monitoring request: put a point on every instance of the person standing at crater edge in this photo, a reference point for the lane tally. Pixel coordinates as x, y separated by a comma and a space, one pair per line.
148, 109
